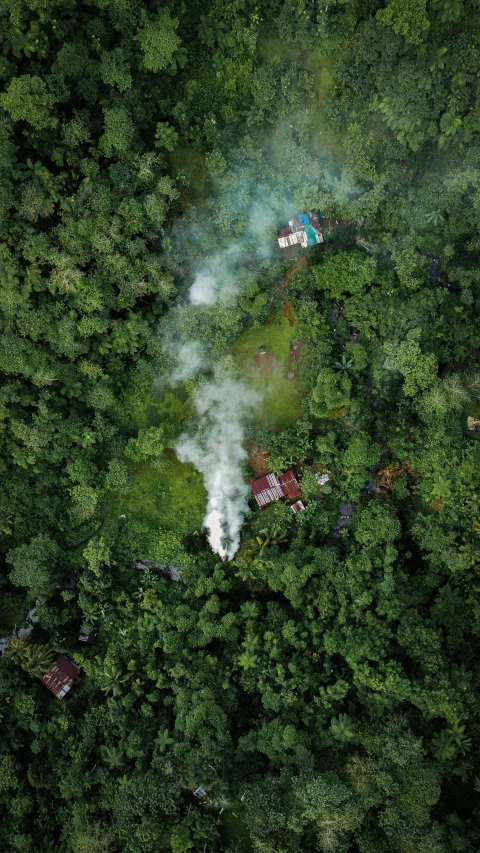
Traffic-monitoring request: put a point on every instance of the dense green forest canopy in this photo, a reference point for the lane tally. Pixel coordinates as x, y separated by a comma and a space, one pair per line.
320, 684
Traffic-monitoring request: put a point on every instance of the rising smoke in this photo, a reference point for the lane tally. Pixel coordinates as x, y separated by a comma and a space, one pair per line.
220, 246
218, 452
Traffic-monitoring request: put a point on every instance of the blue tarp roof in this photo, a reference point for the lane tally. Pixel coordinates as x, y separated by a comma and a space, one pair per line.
304, 219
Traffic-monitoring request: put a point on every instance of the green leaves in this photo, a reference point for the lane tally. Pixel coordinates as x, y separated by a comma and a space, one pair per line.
113, 679
407, 18
343, 728
36, 658
163, 740
159, 41
28, 99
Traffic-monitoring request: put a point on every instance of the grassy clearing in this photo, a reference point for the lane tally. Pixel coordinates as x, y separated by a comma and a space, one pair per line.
324, 140
173, 498
281, 397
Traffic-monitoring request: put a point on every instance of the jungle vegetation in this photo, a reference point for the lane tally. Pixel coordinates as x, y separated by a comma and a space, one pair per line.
322, 689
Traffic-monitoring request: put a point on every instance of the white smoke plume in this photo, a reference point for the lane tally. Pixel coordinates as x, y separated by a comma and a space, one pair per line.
190, 358
204, 289
218, 452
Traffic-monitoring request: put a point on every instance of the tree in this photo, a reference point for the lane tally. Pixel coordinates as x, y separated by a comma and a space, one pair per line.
419, 370
35, 565
35, 659
159, 41
407, 18
28, 99
331, 392
112, 679
149, 443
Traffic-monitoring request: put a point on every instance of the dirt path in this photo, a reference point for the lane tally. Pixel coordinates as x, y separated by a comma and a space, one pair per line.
257, 460
298, 265
265, 362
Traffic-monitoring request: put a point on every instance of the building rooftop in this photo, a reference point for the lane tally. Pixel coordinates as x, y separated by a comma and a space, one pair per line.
61, 676
304, 229
269, 488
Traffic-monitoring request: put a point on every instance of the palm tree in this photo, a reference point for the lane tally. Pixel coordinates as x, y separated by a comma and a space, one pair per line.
113, 756
276, 536
38, 659
456, 394
17, 646
457, 732
443, 746
248, 660
112, 678
35, 659
343, 728
163, 740
471, 550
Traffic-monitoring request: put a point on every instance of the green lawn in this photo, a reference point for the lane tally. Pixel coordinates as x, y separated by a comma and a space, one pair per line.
174, 497
281, 397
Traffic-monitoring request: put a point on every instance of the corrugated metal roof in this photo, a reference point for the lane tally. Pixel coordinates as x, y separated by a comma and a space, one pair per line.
292, 239
289, 484
61, 676
270, 488
297, 507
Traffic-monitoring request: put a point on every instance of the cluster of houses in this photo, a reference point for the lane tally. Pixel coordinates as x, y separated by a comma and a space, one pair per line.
303, 230
270, 488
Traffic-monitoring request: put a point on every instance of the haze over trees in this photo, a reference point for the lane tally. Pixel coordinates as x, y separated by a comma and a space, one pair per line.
322, 685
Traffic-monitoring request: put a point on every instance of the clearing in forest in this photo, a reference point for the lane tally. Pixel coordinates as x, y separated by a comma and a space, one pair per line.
281, 393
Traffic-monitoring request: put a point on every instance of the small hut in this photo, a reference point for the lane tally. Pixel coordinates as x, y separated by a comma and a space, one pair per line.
61, 677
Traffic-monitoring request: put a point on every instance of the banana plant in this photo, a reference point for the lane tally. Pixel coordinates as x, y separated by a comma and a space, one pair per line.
163, 740
443, 746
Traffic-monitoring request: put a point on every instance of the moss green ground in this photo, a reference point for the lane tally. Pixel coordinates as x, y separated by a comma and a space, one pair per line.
281, 398
323, 141
173, 497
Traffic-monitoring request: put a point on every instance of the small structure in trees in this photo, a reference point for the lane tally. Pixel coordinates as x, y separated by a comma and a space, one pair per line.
304, 230
473, 424
88, 632
271, 488
199, 793
344, 518
297, 507
148, 566
60, 678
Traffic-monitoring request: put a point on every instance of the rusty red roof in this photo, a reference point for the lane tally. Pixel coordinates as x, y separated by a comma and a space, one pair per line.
61, 676
289, 484
270, 488
297, 507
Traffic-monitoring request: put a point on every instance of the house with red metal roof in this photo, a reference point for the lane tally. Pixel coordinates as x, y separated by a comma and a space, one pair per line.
60, 678
270, 488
